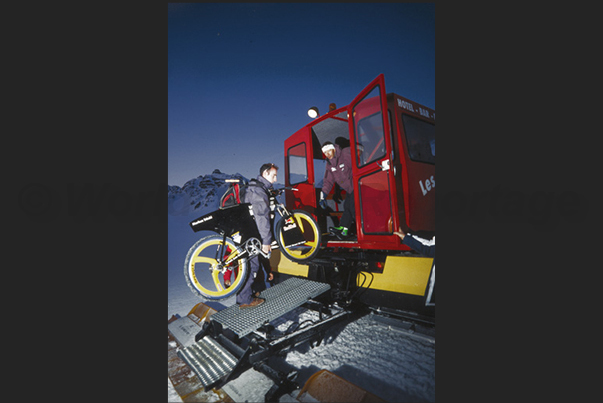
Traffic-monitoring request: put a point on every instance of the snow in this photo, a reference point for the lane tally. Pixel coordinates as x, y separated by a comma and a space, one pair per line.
172, 395
382, 359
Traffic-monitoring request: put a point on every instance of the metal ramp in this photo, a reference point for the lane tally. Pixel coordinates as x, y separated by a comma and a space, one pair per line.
209, 360
280, 299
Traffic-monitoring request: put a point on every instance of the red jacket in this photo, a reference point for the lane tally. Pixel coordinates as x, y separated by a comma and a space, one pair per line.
339, 170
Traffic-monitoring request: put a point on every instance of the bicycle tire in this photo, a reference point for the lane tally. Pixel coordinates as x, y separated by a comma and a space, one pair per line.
198, 271
310, 231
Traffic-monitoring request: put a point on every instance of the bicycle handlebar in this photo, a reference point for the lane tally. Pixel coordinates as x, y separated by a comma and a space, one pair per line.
281, 190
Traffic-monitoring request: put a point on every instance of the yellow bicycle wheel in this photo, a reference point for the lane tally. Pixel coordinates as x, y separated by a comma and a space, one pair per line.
310, 247
208, 261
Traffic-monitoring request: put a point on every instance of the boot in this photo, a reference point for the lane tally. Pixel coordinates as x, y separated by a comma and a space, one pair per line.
254, 302
340, 232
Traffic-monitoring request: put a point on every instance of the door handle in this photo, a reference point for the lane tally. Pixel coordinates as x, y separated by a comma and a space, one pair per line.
384, 165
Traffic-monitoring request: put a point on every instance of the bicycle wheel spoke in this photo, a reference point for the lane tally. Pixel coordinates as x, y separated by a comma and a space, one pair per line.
216, 277
203, 259
233, 255
298, 221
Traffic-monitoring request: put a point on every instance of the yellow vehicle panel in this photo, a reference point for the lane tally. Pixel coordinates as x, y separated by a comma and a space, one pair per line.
404, 274
401, 274
279, 263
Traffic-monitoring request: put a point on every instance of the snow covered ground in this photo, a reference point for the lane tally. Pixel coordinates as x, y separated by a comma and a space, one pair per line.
379, 358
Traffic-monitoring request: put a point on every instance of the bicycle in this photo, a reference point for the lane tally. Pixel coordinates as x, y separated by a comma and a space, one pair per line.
237, 240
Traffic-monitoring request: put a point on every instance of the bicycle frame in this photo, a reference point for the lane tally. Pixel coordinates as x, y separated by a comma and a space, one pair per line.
236, 239
237, 222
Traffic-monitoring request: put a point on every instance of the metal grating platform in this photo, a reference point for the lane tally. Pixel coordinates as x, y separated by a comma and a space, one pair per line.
209, 360
280, 299
183, 330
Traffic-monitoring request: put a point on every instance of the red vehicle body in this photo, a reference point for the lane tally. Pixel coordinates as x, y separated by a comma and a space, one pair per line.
393, 172
394, 175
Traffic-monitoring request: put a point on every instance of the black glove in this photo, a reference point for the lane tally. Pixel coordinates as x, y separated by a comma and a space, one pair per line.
322, 202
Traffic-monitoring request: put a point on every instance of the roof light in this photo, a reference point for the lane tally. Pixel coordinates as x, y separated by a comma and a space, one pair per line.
313, 112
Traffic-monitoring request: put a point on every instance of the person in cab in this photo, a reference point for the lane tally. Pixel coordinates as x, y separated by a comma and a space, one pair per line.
338, 170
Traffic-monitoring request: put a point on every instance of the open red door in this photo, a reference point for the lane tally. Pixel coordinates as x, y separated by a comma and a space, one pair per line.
370, 134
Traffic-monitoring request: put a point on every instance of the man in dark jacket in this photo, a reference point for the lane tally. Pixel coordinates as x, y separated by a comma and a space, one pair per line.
426, 248
423, 246
257, 195
339, 170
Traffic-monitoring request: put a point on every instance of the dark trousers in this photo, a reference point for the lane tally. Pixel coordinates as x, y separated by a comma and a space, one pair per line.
349, 212
245, 296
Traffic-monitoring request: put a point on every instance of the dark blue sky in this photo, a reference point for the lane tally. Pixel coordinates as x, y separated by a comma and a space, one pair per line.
241, 76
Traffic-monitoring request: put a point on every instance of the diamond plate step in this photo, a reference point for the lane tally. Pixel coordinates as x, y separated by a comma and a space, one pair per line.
209, 360
280, 299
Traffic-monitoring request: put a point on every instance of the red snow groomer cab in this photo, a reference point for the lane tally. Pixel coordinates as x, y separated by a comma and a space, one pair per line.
393, 169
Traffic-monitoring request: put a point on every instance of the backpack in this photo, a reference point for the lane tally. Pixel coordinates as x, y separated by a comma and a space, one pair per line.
234, 195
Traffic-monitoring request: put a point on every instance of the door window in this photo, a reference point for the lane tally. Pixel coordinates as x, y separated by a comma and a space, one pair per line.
368, 123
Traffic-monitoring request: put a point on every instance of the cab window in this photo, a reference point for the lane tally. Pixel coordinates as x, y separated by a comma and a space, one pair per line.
296, 159
420, 139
